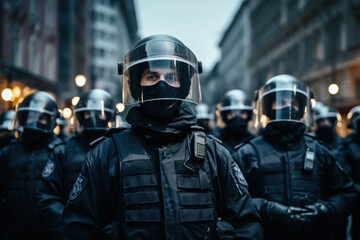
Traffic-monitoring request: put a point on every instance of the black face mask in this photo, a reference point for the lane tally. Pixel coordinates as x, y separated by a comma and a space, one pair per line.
236, 122
35, 139
235, 132
325, 133
285, 113
160, 110
236, 127
284, 126
160, 90
283, 132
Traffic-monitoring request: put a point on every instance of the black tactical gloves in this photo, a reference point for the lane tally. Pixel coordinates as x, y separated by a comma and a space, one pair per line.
292, 217
315, 215
284, 215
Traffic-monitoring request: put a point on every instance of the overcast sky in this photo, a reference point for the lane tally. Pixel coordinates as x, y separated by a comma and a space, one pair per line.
199, 24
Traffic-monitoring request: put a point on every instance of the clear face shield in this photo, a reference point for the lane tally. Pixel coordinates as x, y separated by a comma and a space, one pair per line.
27, 118
245, 113
93, 116
161, 80
329, 119
283, 104
6, 124
160, 70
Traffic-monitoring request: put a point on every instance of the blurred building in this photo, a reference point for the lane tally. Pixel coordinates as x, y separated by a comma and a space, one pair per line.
28, 49
74, 48
113, 33
95, 36
46, 44
318, 41
232, 71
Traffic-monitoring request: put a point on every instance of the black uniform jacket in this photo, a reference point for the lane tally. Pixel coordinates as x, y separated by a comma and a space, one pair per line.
147, 181
59, 175
276, 170
20, 174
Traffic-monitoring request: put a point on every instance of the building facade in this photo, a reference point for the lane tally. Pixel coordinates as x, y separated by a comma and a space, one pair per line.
317, 41
28, 48
113, 32
95, 35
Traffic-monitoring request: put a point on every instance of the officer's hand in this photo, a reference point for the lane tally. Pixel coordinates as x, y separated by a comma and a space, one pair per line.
315, 215
285, 215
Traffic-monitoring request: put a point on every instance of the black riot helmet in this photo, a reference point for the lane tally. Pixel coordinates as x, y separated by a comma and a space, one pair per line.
236, 103
38, 111
156, 58
6, 120
324, 114
354, 118
283, 99
202, 112
94, 111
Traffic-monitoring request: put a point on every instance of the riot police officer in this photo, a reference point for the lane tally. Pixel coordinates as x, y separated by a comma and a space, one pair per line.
296, 183
6, 133
21, 164
349, 155
236, 112
325, 125
93, 113
162, 178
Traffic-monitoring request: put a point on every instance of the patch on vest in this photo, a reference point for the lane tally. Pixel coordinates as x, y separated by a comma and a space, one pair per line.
239, 177
78, 187
48, 169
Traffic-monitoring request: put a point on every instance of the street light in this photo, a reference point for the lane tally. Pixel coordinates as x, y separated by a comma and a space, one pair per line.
80, 80
67, 113
75, 100
120, 107
17, 92
333, 88
313, 102
6, 94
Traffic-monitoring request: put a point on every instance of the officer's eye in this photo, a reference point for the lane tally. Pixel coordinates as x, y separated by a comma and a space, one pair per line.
152, 77
170, 78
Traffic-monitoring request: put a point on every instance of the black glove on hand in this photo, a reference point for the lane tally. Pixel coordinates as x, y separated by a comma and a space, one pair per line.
316, 214
285, 215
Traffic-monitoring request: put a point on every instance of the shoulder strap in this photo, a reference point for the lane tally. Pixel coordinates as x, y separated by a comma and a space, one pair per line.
55, 142
96, 141
255, 142
245, 142
311, 142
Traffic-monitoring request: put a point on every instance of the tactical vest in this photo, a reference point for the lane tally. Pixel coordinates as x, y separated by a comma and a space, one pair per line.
282, 175
165, 191
24, 176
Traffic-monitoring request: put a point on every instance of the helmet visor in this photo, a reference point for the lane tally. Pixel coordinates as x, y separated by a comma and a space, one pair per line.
30, 119
244, 114
181, 80
6, 124
93, 119
283, 105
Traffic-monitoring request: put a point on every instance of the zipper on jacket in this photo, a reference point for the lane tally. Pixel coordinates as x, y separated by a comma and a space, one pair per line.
287, 179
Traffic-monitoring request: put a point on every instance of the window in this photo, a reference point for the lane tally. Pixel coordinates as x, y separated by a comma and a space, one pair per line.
34, 53
49, 61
